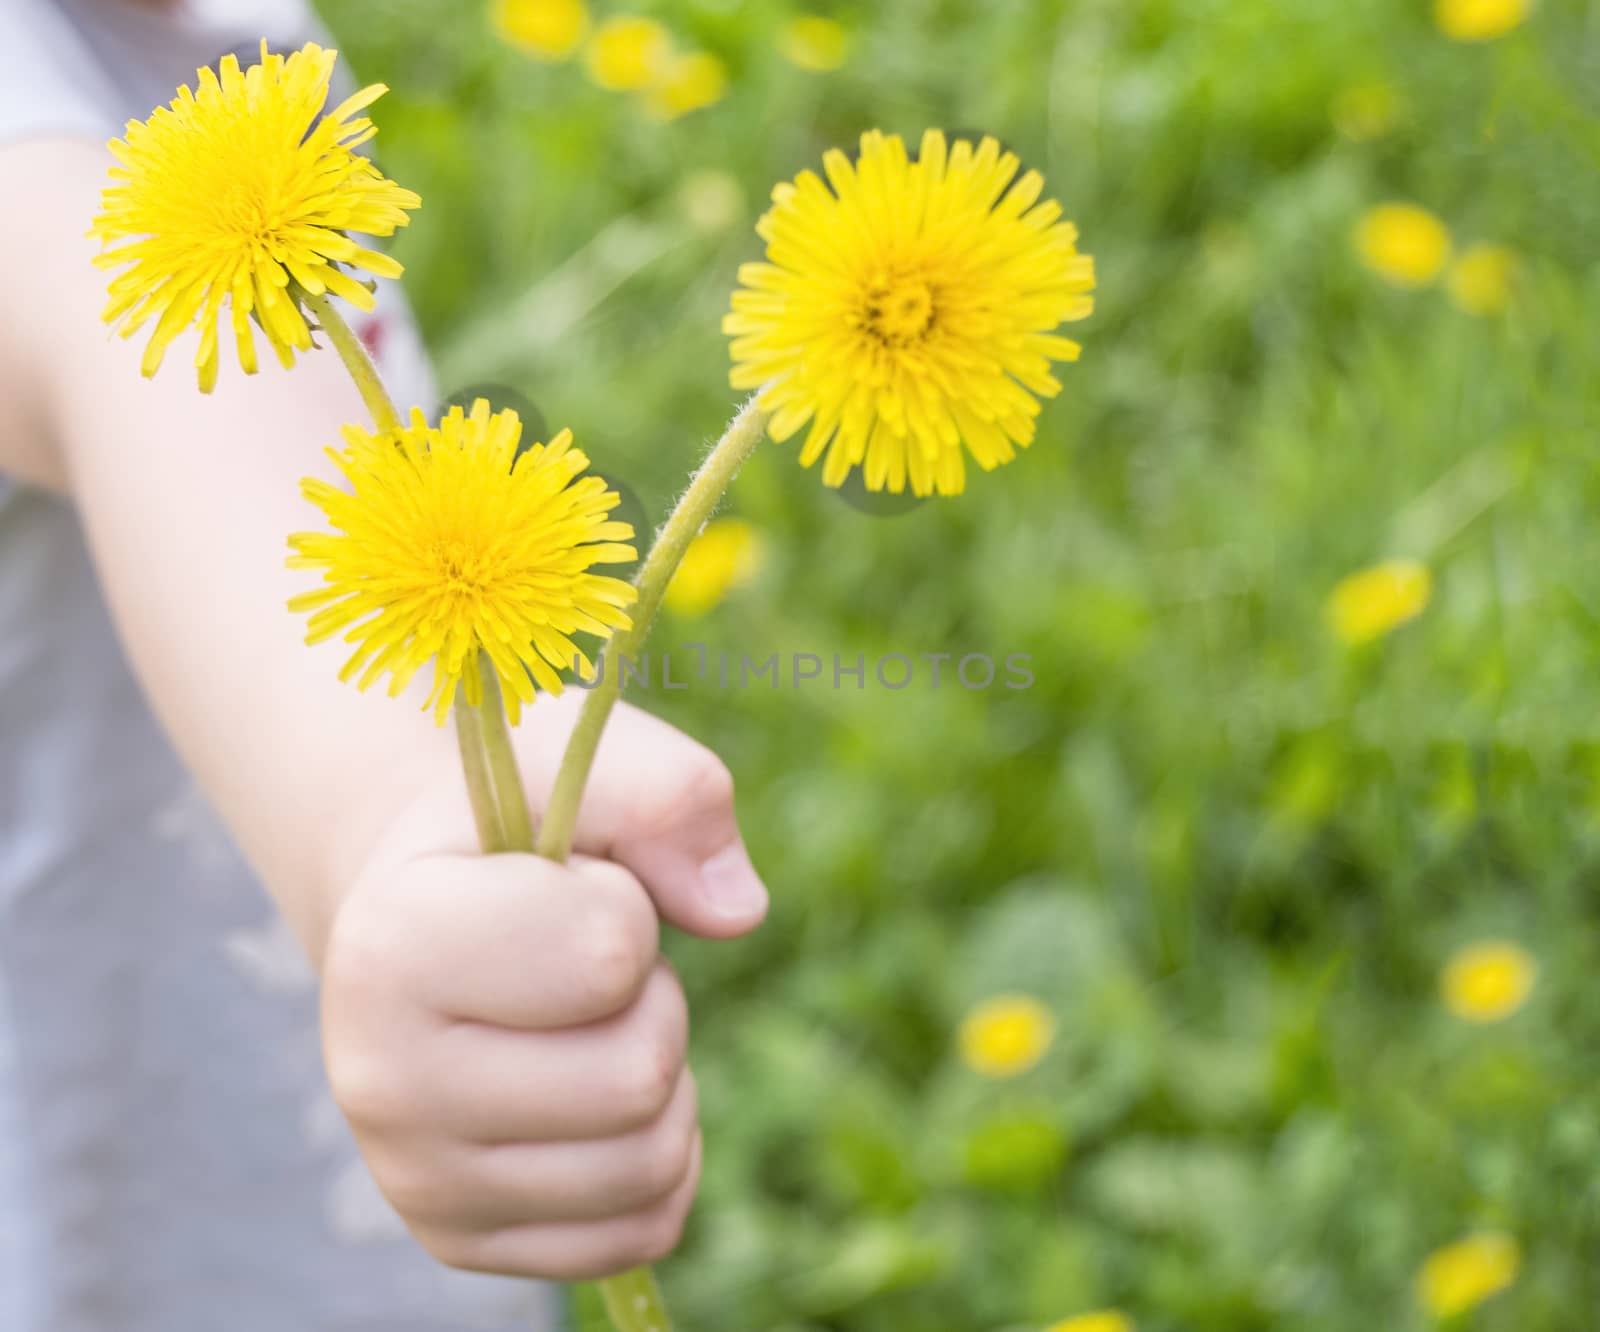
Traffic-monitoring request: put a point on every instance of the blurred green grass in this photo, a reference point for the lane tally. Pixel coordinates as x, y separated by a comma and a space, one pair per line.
1229, 852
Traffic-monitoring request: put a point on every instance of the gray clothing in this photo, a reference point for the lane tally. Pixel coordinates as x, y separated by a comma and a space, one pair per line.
170, 1158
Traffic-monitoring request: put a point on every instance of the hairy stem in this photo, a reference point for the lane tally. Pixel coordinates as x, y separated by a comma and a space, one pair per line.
699, 500
355, 359
471, 735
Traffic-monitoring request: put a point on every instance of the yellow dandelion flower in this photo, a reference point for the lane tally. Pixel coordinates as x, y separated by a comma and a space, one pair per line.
1366, 111
1006, 1035
1463, 1275
1371, 603
908, 308
628, 54
1479, 20
1403, 244
728, 554
1488, 981
236, 194
544, 29
815, 42
690, 83
1482, 279
444, 547
1101, 1320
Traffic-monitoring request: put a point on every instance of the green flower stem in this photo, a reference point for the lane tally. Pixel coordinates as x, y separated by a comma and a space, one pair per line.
355, 359
494, 783
633, 1300
705, 490
515, 822
500, 807
471, 735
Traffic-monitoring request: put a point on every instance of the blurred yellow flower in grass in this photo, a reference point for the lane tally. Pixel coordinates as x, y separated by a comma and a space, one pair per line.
1404, 244
1463, 1275
1481, 280
1366, 111
1006, 1035
908, 307
690, 83
232, 194
728, 554
544, 29
1102, 1320
711, 200
1369, 604
815, 42
1479, 20
628, 54
1488, 981
445, 548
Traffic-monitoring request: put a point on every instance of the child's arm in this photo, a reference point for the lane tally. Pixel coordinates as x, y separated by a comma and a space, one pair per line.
500, 1031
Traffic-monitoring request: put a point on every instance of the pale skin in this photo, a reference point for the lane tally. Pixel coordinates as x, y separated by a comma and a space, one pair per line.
501, 1032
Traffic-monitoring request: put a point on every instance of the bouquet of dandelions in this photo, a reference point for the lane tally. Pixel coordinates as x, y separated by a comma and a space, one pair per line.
906, 312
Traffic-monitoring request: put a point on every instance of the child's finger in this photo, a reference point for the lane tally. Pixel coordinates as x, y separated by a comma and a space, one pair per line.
662, 804
510, 939
584, 1180
574, 1251
493, 1086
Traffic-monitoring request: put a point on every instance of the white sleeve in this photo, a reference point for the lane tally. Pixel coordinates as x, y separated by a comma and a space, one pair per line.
49, 85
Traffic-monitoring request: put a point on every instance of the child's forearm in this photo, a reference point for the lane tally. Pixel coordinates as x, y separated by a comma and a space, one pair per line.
187, 501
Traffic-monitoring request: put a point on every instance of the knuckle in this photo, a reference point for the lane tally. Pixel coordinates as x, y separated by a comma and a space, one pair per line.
646, 1075
705, 788
666, 1009
354, 977
367, 1086
367, 946
710, 784
618, 945
668, 1165
414, 1190
453, 1248
662, 1232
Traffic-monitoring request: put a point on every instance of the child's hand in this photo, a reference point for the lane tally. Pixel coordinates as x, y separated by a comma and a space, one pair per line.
501, 1032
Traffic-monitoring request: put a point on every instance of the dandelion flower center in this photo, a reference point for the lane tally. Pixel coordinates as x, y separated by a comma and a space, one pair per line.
462, 569
897, 310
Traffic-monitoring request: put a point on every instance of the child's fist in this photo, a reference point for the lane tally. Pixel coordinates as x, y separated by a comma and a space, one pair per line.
510, 1050
501, 1031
